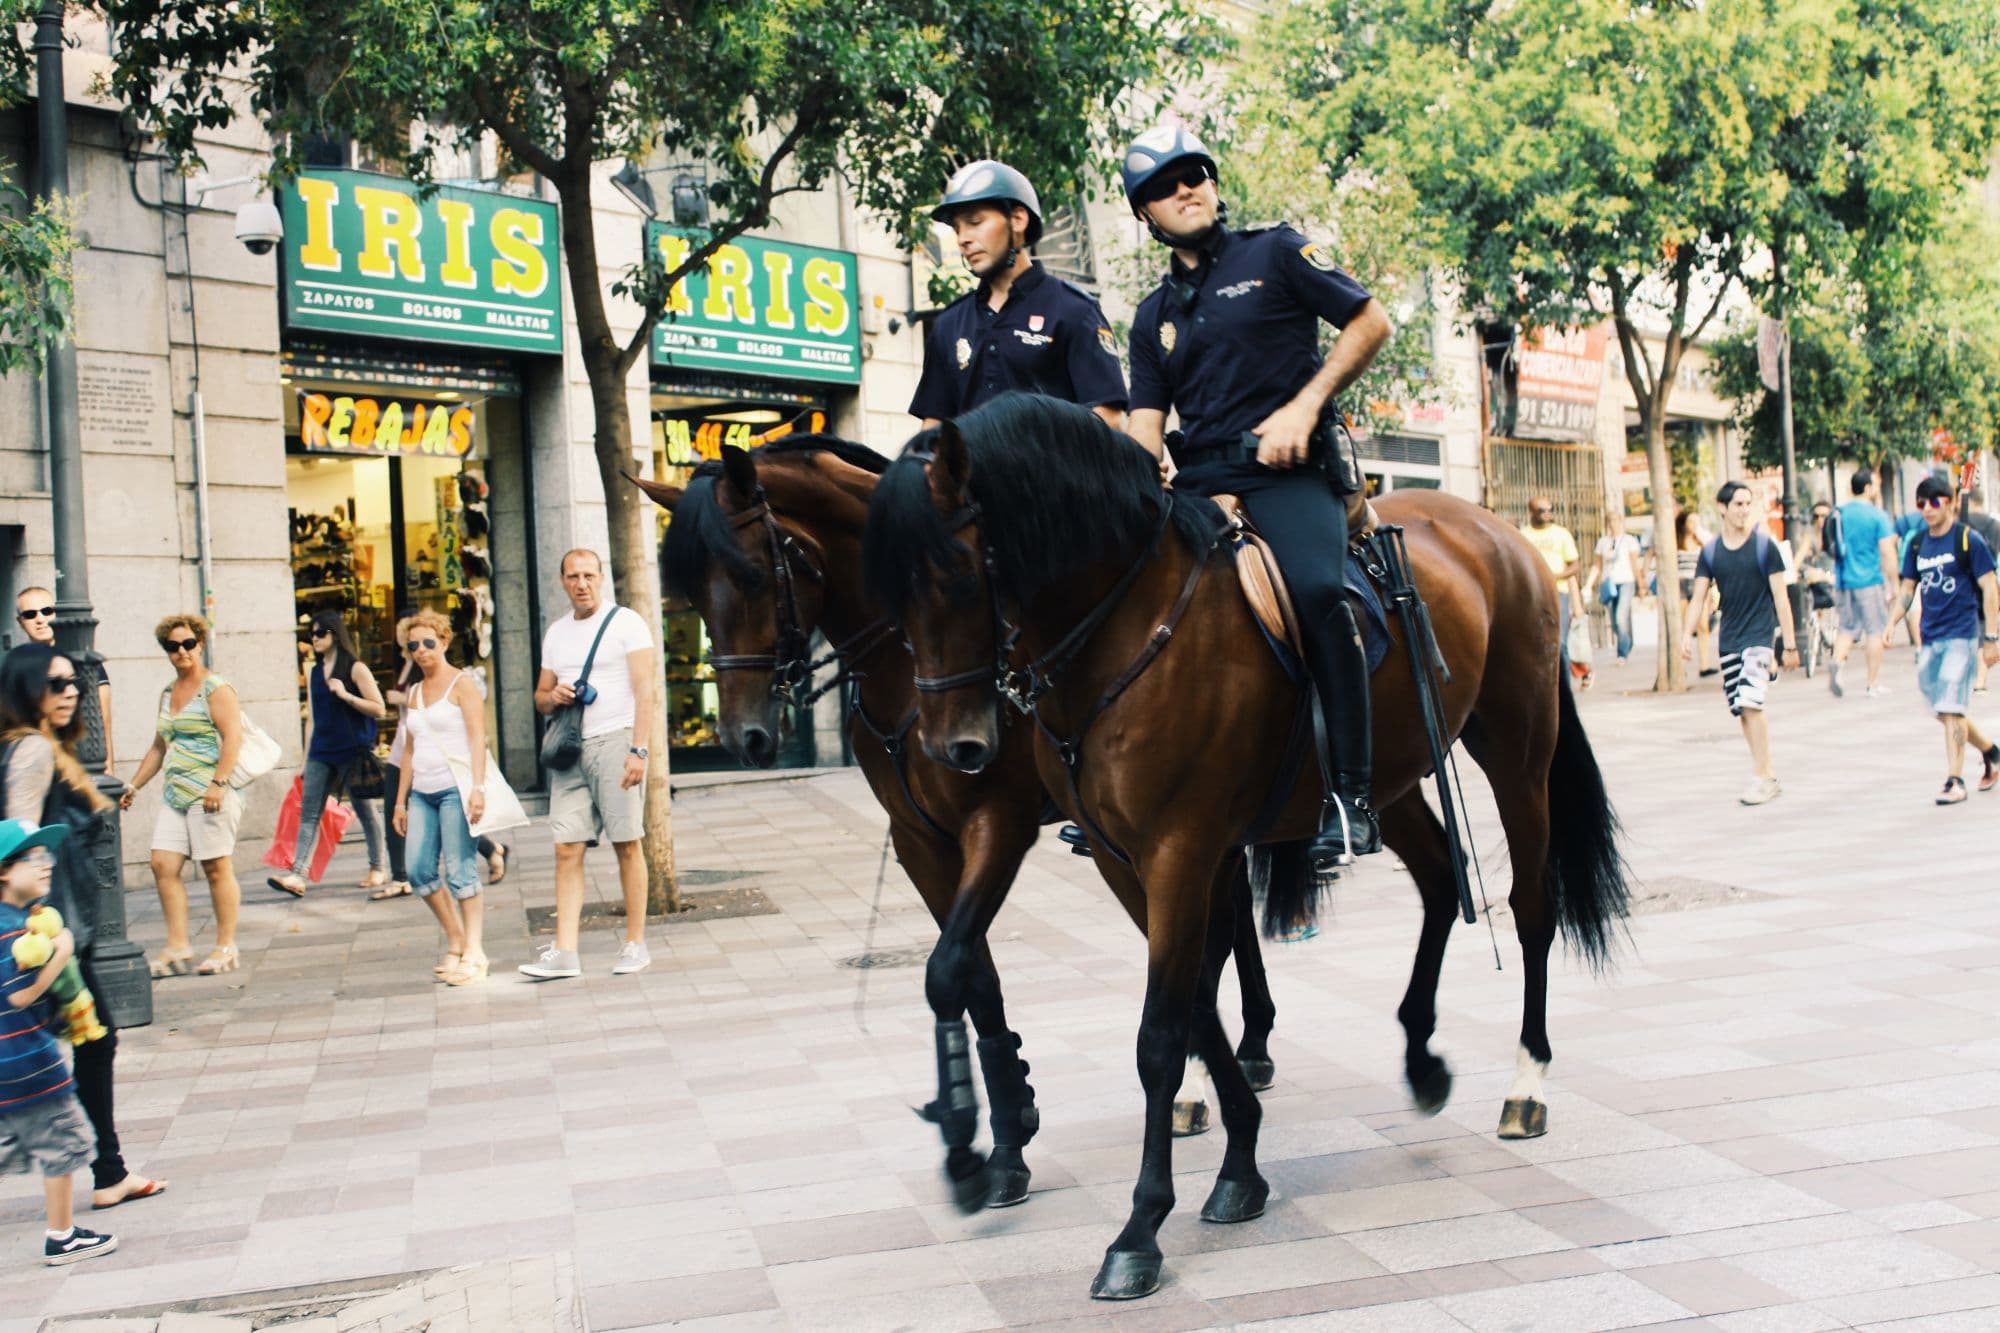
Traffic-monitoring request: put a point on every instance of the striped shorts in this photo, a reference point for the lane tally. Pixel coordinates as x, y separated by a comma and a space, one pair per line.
1745, 677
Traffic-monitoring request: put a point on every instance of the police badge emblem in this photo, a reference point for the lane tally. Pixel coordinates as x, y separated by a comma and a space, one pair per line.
1034, 323
964, 350
1105, 341
1169, 335
1316, 256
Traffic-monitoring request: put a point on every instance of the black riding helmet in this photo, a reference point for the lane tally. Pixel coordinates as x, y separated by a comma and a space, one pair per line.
987, 181
1157, 150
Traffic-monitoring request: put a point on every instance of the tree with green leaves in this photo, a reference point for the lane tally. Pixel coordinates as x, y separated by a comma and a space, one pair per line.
37, 237
1582, 160
776, 96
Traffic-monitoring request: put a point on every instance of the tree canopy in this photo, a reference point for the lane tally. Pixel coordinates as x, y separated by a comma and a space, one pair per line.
37, 239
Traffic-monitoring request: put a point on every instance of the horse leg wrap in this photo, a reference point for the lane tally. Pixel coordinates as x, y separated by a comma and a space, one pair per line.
956, 1110
1013, 1116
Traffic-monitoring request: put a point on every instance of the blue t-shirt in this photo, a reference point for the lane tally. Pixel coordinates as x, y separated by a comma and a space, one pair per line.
1938, 567
1862, 528
32, 1068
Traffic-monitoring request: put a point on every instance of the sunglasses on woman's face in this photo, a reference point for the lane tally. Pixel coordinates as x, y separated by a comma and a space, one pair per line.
1168, 184
322, 634
64, 685
180, 645
414, 644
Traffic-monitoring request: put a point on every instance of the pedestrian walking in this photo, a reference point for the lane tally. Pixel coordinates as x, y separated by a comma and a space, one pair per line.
492, 852
35, 613
602, 796
1557, 547
1744, 566
1689, 538
1862, 542
444, 718
42, 1126
1987, 526
344, 704
1614, 572
41, 783
197, 737
1951, 567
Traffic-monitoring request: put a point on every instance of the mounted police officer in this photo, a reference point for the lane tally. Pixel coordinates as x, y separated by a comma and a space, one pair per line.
1230, 341
1021, 328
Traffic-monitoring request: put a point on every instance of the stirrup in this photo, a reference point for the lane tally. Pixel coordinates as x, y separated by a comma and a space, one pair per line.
1078, 840
1326, 854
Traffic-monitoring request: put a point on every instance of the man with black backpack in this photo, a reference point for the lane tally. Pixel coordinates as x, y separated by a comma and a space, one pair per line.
1952, 568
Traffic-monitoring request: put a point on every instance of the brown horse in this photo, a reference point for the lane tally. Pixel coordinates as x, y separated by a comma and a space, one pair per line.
767, 546
1027, 545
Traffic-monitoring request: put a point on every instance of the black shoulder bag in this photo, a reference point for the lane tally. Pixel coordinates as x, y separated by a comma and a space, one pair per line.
562, 742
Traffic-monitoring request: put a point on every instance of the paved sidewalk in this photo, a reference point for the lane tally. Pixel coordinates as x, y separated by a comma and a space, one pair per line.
1782, 1111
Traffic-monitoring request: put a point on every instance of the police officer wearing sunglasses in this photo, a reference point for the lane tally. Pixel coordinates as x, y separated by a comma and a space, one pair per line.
1020, 328
1230, 341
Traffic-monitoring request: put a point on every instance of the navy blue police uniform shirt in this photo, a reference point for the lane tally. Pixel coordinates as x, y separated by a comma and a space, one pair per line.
1248, 342
1050, 338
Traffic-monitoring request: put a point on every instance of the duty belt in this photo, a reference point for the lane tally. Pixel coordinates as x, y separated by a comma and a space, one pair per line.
1242, 449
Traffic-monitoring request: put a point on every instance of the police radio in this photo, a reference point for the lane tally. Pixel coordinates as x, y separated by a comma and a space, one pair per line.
1337, 452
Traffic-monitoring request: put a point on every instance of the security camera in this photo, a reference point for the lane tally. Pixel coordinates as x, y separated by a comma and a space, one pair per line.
259, 227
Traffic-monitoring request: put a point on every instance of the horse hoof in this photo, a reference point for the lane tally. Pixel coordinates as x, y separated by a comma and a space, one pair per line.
1235, 1201
1524, 1118
1261, 1073
1432, 1089
1126, 1275
970, 1181
1190, 1119
1010, 1186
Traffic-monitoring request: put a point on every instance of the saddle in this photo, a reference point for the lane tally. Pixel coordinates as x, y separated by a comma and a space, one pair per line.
1257, 566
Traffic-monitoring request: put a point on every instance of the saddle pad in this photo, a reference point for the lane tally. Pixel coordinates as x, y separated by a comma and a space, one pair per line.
1270, 602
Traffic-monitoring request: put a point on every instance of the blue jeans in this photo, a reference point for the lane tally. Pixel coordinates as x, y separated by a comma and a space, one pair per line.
1619, 608
438, 831
312, 804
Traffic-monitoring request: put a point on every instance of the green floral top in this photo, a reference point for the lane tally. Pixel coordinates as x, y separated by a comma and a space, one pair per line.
194, 745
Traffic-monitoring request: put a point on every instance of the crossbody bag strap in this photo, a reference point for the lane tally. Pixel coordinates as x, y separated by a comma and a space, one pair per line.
590, 658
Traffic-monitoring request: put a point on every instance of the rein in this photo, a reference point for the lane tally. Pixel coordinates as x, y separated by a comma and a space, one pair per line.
792, 669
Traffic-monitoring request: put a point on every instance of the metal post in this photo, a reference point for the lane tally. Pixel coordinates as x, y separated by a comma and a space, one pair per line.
118, 966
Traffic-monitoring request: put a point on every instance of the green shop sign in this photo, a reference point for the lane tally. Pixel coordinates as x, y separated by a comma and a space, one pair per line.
760, 307
366, 256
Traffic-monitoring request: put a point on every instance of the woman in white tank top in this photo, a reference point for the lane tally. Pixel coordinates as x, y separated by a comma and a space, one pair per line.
444, 721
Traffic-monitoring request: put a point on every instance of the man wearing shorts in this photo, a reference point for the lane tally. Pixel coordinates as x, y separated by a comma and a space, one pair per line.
1951, 567
1746, 570
603, 797
1867, 553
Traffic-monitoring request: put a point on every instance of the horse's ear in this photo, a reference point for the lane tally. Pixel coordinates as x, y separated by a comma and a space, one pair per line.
951, 466
663, 494
741, 470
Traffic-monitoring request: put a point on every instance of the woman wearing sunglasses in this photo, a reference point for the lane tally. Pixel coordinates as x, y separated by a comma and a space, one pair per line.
199, 736
493, 853
345, 705
444, 719
45, 785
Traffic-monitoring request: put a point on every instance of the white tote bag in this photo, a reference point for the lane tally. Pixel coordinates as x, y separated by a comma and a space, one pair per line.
503, 807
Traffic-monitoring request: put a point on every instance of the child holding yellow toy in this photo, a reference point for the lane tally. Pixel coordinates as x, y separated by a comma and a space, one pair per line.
41, 1124
74, 1001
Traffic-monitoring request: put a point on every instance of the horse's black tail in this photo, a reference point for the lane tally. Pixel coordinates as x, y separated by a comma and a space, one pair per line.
1586, 874
1283, 879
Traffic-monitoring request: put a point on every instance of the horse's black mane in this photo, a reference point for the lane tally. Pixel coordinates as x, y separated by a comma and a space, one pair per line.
1058, 491
700, 530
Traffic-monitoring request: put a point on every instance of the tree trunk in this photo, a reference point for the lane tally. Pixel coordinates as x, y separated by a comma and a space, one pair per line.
634, 564
1670, 675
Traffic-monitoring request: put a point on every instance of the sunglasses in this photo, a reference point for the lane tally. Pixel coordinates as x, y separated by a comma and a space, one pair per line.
427, 644
1168, 183
322, 634
64, 685
180, 645
36, 613
1932, 502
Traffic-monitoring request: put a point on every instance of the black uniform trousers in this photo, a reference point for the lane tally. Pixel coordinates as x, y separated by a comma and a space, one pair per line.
1306, 525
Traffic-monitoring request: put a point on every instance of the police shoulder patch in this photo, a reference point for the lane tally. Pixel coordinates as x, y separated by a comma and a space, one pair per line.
1107, 342
1316, 255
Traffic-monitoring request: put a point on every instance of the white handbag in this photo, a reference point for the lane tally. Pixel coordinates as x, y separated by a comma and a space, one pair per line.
503, 807
258, 755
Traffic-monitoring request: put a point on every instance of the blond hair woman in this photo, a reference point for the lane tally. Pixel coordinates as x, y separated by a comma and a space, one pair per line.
444, 718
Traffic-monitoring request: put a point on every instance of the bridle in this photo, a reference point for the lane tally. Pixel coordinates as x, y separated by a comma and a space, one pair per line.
791, 664
1024, 686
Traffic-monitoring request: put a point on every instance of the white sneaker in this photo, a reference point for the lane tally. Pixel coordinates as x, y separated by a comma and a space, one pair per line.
553, 964
1759, 791
1878, 691
632, 958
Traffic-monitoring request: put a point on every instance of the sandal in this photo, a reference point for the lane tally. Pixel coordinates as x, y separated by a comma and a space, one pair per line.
375, 878
394, 889
145, 1191
468, 974
221, 959
164, 964
291, 884
448, 964
496, 864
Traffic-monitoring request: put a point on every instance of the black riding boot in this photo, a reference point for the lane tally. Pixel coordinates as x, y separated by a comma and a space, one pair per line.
1339, 666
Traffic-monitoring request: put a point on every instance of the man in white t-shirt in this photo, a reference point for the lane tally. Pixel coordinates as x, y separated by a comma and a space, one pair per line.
1614, 572
604, 795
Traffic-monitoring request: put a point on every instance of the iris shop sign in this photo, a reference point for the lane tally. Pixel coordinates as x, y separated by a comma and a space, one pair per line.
355, 424
761, 308
364, 255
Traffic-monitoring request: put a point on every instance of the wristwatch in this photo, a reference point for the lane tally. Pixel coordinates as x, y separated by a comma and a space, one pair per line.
1992, 638
638, 750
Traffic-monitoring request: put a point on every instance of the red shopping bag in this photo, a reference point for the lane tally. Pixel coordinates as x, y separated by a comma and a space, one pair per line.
333, 822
